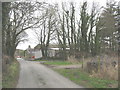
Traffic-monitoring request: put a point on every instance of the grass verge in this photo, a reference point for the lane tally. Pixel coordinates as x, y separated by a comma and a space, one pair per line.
81, 78
10, 78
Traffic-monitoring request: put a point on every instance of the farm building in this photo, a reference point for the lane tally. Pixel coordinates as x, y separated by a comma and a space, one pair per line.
32, 53
29, 53
53, 51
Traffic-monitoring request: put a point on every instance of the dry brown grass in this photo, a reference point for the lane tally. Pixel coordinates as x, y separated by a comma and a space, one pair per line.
72, 59
106, 70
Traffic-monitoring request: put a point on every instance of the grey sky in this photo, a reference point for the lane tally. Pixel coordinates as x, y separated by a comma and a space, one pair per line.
32, 42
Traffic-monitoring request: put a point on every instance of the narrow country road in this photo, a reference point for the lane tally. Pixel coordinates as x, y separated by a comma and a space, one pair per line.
36, 75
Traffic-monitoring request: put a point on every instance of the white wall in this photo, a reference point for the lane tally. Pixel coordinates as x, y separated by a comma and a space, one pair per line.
38, 54
51, 53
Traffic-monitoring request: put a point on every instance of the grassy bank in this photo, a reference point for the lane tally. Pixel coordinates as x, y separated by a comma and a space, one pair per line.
10, 78
82, 78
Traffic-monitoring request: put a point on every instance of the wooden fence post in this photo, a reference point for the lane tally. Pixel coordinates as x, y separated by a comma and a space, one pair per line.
98, 64
82, 61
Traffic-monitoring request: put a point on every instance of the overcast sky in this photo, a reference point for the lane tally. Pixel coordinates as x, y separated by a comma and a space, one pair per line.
31, 36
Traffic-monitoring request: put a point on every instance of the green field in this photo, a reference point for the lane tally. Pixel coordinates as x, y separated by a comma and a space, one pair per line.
82, 78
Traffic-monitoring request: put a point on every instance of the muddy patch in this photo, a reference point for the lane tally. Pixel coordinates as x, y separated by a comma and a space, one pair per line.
64, 66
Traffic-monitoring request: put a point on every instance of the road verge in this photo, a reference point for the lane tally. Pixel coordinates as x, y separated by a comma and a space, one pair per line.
10, 78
